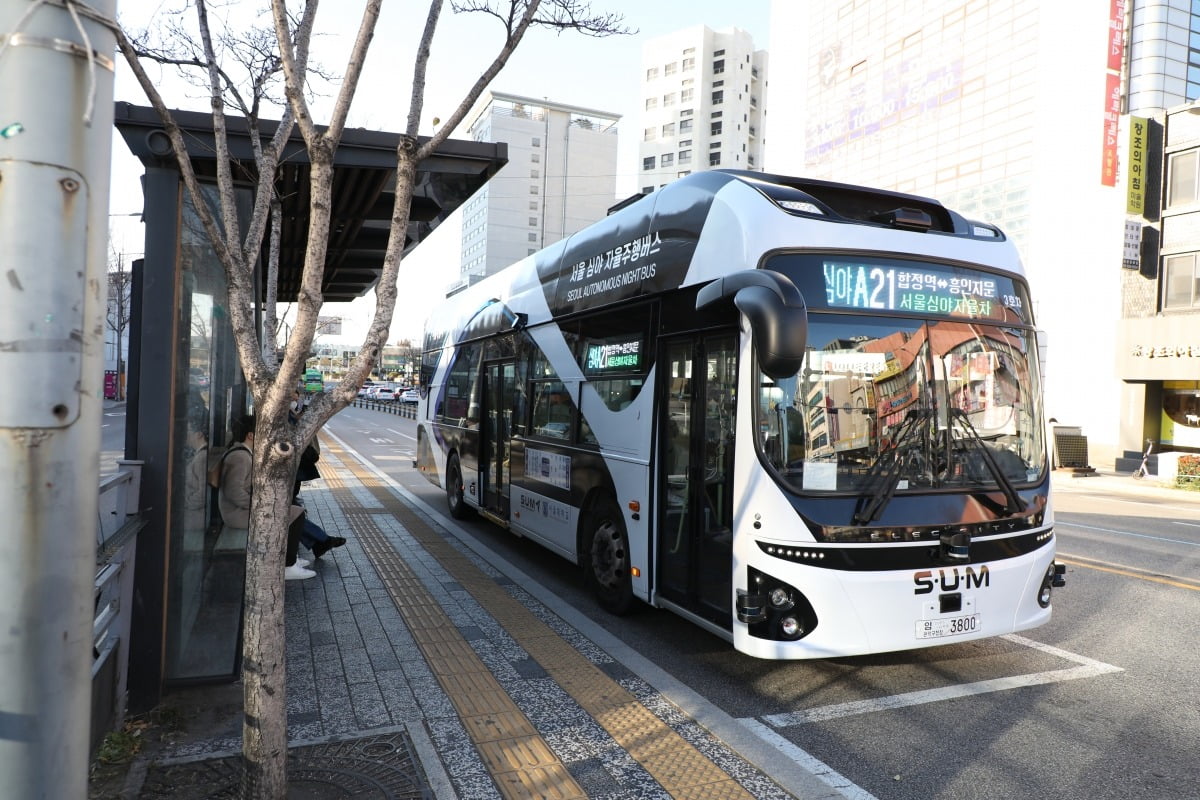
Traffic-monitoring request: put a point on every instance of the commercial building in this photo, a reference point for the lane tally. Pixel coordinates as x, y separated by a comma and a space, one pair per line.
561, 177
1017, 113
704, 104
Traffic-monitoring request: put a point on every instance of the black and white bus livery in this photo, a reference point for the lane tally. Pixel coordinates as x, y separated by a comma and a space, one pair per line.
804, 415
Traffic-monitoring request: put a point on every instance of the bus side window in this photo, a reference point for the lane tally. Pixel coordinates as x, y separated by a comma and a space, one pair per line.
551, 410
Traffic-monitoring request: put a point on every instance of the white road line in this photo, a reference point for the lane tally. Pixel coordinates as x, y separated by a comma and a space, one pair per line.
398, 433
1189, 524
1059, 524
1088, 668
822, 771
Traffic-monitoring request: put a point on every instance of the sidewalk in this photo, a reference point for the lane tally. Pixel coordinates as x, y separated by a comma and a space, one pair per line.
418, 667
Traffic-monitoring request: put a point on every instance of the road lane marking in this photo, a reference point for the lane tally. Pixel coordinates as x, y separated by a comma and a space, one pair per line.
1088, 668
1127, 533
825, 773
398, 433
1189, 524
1127, 572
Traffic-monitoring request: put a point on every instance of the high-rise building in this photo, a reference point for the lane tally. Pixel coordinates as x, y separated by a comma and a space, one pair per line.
1014, 112
704, 96
560, 177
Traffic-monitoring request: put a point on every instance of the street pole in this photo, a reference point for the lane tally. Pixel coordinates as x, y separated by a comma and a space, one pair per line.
56, 120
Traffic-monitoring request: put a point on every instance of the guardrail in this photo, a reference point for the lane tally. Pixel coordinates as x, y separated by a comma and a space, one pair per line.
116, 544
406, 410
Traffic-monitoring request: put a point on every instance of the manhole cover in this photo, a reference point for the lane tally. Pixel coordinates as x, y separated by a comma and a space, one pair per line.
382, 767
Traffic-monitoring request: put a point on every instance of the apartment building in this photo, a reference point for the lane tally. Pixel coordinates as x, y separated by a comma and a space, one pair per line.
560, 178
704, 104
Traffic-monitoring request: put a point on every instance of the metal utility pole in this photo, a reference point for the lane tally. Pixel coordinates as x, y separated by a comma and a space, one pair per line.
56, 119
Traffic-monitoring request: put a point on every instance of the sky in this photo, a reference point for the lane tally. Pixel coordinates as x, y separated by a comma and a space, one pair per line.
598, 73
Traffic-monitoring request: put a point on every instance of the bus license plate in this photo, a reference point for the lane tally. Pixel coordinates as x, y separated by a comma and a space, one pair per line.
950, 626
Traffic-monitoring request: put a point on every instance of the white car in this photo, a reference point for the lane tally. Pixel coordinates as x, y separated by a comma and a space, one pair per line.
384, 394
409, 396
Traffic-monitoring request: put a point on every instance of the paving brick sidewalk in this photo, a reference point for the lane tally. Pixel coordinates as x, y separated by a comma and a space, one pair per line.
416, 668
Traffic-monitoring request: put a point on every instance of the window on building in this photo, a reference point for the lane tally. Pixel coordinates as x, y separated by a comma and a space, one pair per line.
651, 73
1181, 282
537, 142
667, 160
714, 159
685, 112
668, 99
718, 66
686, 95
689, 51
669, 69
718, 97
668, 130
649, 134
533, 190
715, 130
648, 162
714, 145
533, 205
685, 125
532, 237
685, 157
683, 173
531, 251
533, 173
1181, 178
533, 221
651, 102
647, 189
685, 142
535, 158
718, 84
689, 64
718, 53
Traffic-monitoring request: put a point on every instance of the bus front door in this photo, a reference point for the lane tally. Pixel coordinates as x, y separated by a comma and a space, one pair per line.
695, 526
499, 398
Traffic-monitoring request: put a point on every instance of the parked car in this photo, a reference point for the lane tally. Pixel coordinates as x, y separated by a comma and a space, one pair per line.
384, 394
410, 396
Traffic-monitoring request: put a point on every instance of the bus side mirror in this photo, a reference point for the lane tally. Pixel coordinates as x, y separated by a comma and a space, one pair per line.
777, 313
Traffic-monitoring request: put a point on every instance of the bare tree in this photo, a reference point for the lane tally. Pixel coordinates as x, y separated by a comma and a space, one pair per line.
278, 443
116, 319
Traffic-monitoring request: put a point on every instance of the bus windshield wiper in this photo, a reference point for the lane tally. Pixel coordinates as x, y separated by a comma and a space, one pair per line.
884, 475
962, 423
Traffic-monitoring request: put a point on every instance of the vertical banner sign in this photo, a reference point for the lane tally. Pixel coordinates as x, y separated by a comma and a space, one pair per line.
1112, 117
1116, 35
1135, 169
1112, 93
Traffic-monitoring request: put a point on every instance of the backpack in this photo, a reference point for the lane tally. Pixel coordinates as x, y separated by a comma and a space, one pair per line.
214, 472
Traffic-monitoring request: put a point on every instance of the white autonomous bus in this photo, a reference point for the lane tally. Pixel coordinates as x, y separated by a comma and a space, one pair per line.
806, 416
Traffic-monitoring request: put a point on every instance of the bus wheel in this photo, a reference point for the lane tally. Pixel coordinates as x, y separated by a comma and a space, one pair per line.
606, 562
454, 490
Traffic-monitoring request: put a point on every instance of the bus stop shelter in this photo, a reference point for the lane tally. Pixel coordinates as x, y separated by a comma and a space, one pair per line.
183, 367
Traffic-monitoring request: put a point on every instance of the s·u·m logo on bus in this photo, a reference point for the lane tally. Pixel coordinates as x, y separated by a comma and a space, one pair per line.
950, 579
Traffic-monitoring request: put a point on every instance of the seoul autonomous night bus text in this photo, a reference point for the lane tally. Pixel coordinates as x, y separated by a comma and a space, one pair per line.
806, 416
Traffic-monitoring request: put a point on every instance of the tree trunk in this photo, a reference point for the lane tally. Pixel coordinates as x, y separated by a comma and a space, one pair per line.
264, 672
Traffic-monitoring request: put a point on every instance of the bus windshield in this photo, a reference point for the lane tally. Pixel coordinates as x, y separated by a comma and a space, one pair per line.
889, 405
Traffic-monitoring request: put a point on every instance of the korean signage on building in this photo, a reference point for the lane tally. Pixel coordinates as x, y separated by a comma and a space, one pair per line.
1135, 169
1112, 90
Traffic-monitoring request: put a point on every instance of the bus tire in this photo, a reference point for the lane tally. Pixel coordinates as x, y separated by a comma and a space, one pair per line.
606, 558
455, 489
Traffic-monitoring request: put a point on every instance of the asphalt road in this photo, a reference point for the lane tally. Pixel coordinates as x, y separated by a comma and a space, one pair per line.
1099, 703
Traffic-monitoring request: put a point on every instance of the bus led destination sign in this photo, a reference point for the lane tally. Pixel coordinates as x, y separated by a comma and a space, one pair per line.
921, 288
625, 356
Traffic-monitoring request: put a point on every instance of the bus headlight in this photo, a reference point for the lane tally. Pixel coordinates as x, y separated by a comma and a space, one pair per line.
791, 628
781, 599
773, 609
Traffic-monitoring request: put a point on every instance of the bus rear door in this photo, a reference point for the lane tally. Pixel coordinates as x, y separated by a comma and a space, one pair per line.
499, 397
